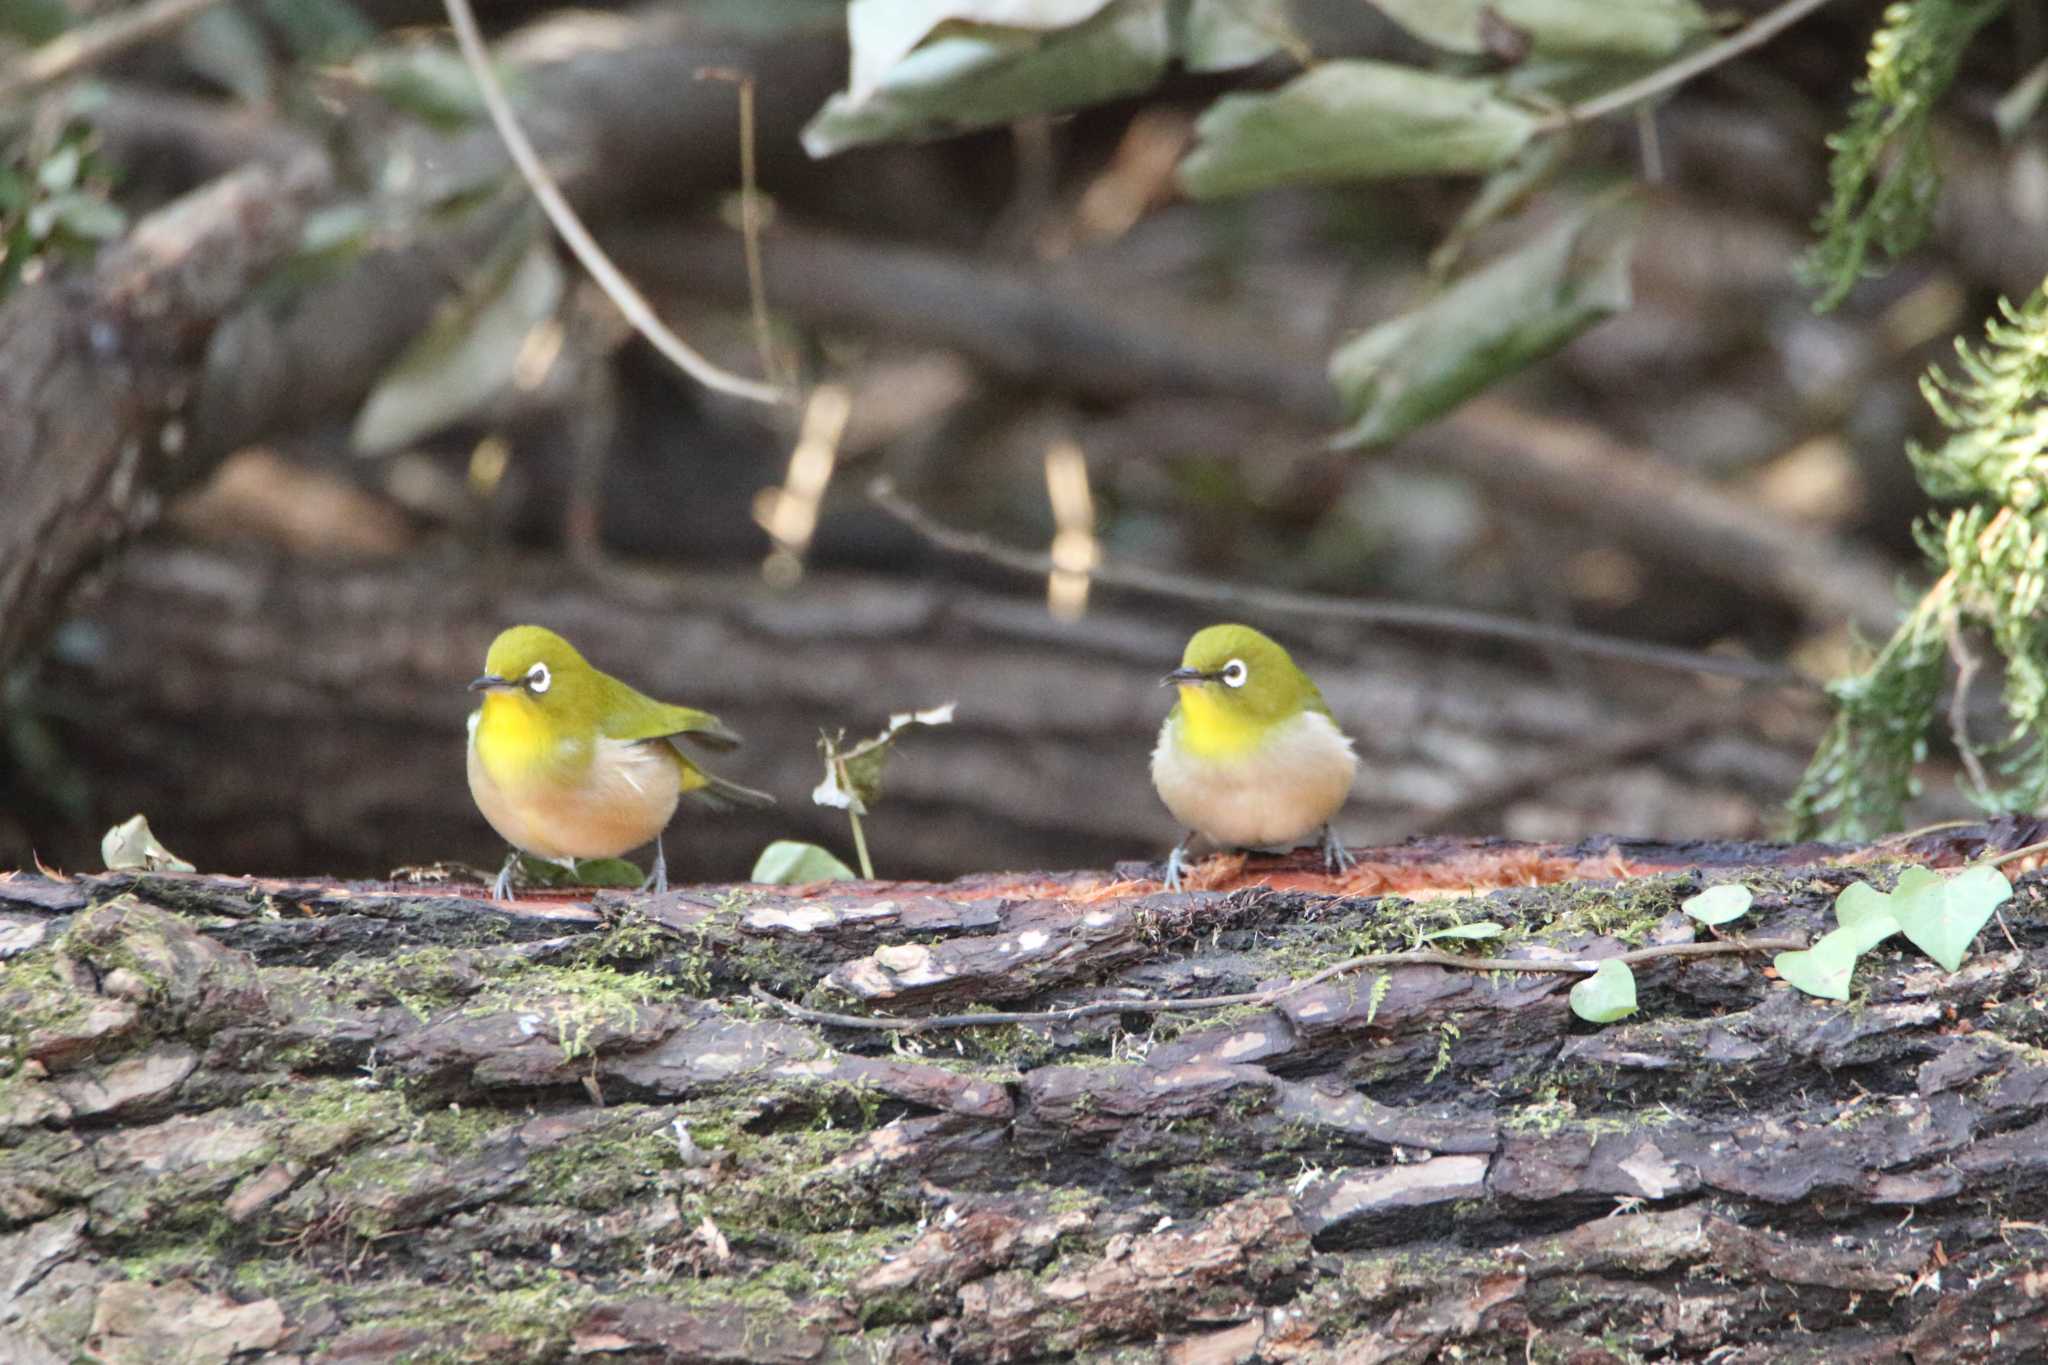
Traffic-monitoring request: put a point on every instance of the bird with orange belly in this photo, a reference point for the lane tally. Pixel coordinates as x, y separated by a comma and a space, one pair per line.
569, 763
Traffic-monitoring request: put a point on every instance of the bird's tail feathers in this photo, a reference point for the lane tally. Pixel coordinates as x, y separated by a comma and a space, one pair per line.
720, 794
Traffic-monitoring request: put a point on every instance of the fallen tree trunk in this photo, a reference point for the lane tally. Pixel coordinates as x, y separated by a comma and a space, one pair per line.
218, 681
321, 1122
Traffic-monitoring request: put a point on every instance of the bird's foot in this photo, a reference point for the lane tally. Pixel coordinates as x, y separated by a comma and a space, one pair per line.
657, 880
1177, 863
501, 889
1336, 857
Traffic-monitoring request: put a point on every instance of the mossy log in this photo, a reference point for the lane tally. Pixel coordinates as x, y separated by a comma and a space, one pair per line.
320, 1122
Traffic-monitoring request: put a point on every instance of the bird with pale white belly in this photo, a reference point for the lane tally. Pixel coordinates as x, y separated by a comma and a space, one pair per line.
1250, 757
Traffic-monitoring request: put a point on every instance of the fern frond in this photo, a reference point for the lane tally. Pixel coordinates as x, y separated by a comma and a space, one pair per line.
1884, 178
1993, 557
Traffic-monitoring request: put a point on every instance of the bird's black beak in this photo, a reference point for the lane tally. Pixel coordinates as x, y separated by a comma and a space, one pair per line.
489, 682
1186, 675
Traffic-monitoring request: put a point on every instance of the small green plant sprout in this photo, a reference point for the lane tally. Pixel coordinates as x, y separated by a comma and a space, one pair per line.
1718, 904
786, 862
1482, 929
1607, 995
853, 777
131, 847
1939, 915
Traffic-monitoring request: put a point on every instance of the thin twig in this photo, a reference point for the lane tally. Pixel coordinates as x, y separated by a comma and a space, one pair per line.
1420, 957
750, 223
2010, 855
91, 44
1760, 30
1967, 663
1445, 620
615, 285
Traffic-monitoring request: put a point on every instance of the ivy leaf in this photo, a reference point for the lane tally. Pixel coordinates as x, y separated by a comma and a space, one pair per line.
786, 862
1866, 913
1719, 904
1607, 995
1485, 928
1941, 915
1825, 968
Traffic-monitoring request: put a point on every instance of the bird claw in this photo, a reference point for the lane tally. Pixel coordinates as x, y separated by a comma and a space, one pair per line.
501, 889
1336, 857
1176, 863
657, 880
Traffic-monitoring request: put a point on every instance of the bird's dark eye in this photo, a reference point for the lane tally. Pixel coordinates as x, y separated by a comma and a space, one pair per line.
538, 679
1234, 673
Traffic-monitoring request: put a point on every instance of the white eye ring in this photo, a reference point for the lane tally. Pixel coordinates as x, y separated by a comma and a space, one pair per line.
538, 679
1234, 673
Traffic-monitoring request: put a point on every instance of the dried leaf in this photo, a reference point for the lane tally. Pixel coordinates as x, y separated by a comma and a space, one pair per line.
966, 74
470, 351
853, 777
1493, 322
1639, 28
131, 847
1354, 120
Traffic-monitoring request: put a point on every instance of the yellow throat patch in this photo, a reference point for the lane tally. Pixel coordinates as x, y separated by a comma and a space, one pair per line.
514, 739
1211, 729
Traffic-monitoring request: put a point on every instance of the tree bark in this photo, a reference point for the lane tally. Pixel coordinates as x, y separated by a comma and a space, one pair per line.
308, 1121
98, 378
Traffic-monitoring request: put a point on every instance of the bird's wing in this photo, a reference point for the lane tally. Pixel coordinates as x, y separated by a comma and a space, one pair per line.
629, 715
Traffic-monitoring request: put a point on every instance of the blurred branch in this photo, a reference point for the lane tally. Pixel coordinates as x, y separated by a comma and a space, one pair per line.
751, 216
1537, 461
1751, 35
615, 285
90, 44
1023, 329
1443, 620
98, 378
1419, 957
1601, 753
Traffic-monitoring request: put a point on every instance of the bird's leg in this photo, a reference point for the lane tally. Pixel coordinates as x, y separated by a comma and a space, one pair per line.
1336, 857
1177, 861
657, 880
501, 889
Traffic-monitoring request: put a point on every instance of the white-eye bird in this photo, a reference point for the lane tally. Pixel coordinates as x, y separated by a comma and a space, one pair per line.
1249, 756
567, 762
